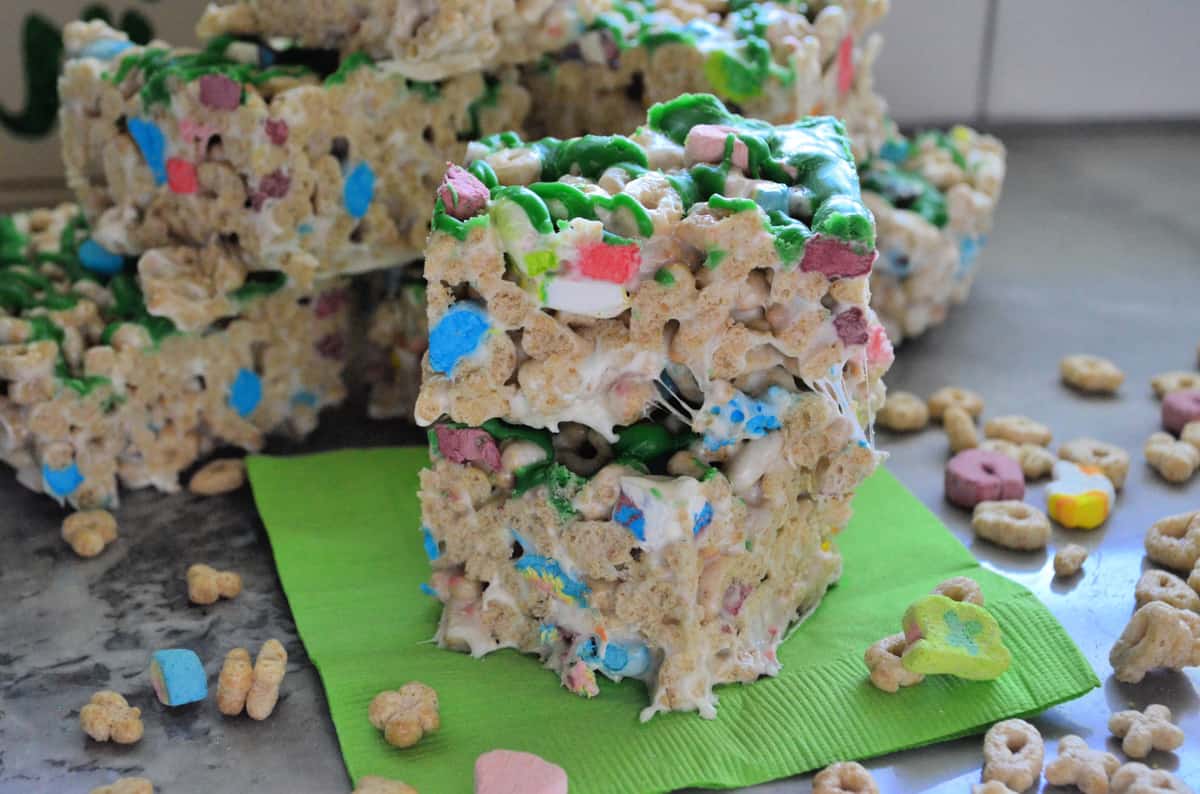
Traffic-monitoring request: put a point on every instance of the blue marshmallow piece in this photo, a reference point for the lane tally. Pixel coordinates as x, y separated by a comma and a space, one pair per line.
245, 393
105, 49
457, 335
61, 482
99, 259
153, 145
178, 677
359, 190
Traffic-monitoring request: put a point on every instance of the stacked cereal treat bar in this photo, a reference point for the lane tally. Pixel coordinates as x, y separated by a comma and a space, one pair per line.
396, 338
97, 389
933, 198
773, 60
283, 160
651, 376
419, 39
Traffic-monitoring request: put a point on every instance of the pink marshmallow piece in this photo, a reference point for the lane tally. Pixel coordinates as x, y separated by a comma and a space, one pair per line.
977, 475
220, 92
851, 327
511, 772
1179, 408
462, 194
468, 445
835, 258
705, 143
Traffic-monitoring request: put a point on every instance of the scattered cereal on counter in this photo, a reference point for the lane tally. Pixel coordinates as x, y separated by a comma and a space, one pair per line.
1179, 408
207, 584
975, 476
234, 683
1069, 560
1108, 458
1013, 751
1012, 524
109, 717
956, 638
1175, 460
845, 777
960, 429
88, 532
1079, 497
1174, 541
218, 476
961, 588
178, 677
1143, 731
903, 412
370, 784
1135, 778
269, 669
1156, 585
948, 396
883, 660
1080, 766
406, 714
127, 785
511, 772
1178, 380
1157, 636
1091, 374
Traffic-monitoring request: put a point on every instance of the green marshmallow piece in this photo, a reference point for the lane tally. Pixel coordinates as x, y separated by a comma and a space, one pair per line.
953, 638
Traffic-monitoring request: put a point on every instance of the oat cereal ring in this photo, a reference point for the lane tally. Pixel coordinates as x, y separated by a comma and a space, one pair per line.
206, 584
1012, 524
1018, 429
961, 588
88, 532
960, 429
903, 412
218, 476
1174, 541
1158, 635
1142, 732
1069, 559
846, 777
1013, 751
127, 785
581, 449
883, 660
991, 787
371, 784
1193, 579
1135, 778
1036, 462
1175, 460
1191, 434
1080, 766
948, 396
406, 714
1155, 585
269, 668
1178, 380
109, 717
1091, 374
233, 685
1109, 458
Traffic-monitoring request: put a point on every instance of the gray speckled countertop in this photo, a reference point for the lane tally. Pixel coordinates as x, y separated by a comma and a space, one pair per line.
1096, 248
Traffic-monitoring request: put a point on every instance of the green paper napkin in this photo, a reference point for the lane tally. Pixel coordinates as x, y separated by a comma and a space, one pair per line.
344, 529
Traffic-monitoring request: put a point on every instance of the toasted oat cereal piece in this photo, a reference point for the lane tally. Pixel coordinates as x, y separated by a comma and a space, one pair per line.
1018, 429
1036, 462
846, 777
1109, 458
1155, 585
948, 396
127, 785
1175, 460
233, 685
109, 717
991, 787
1012, 524
218, 477
1158, 635
1179, 380
1013, 751
883, 660
269, 668
1174, 541
1193, 579
1069, 559
1080, 766
1136, 778
1191, 434
1142, 732
903, 412
406, 714
960, 429
1091, 374
206, 584
961, 588
88, 532
370, 784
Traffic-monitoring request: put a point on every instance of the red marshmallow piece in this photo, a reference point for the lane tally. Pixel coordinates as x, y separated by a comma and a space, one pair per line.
846, 65
181, 176
851, 326
220, 92
977, 475
462, 194
511, 772
468, 445
615, 263
835, 258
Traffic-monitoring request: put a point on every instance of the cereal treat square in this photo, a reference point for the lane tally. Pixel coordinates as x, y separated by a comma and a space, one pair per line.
933, 198
420, 40
662, 556
265, 160
593, 279
396, 340
94, 389
776, 61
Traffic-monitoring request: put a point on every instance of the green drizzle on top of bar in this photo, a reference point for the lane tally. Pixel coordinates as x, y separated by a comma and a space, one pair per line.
349, 65
906, 190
